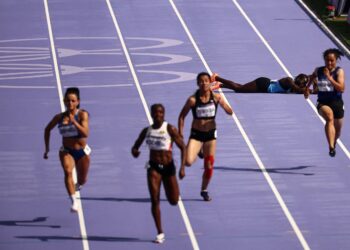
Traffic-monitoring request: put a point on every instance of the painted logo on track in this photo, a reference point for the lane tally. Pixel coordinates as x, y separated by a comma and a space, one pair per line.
31, 59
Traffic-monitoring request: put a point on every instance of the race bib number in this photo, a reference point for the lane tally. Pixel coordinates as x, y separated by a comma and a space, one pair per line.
206, 111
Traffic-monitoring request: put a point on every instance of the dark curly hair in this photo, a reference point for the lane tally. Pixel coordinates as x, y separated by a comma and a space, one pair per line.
338, 54
301, 80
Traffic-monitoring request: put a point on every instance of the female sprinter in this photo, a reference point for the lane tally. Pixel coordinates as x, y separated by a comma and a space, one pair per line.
331, 84
73, 125
203, 130
160, 167
265, 85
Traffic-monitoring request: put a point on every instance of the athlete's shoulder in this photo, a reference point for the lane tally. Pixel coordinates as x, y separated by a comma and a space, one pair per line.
172, 130
191, 100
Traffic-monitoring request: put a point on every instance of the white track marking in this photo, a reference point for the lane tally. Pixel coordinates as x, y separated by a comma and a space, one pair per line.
339, 142
59, 88
54, 56
247, 140
145, 106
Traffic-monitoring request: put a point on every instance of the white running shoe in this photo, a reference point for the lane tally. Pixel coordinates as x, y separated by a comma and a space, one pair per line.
74, 208
160, 238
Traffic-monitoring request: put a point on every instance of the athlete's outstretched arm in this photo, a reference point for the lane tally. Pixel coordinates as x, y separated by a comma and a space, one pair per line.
312, 79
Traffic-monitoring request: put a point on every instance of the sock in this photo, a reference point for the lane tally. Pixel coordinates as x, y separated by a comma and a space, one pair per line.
72, 198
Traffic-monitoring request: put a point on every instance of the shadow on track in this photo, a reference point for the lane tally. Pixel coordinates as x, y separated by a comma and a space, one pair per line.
28, 223
291, 170
89, 238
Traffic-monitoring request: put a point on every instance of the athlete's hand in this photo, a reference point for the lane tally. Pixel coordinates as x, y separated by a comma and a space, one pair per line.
306, 93
71, 117
135, 152
326, 72
213, 77
182, 173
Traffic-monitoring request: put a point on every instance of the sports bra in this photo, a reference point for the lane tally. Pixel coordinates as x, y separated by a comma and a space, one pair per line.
326, 91
206, 110
69, 130
159, 139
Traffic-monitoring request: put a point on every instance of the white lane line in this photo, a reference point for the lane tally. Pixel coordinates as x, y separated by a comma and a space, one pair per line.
127, 55
25, 87
54, 56
59, 88
145, 106
247, 140
339, 142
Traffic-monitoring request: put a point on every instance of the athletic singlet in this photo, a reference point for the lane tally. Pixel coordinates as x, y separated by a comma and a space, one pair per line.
69, 130
326, 91
276, 87
206, 110
159, 139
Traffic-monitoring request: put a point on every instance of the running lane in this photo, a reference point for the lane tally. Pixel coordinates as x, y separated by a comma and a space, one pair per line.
297, 40
285, 131
115, 199
232, 218
34, 211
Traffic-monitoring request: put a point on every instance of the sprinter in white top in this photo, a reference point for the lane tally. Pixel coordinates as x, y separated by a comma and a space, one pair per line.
161, 168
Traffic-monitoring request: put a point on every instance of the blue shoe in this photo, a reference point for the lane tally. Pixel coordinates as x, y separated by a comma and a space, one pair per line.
205, 195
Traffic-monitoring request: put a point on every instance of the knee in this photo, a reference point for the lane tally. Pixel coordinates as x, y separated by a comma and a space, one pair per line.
173, 202
82, 181
188, 163
209, 161
328, 117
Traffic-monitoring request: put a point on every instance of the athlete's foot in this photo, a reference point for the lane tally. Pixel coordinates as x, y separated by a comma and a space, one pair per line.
332, 152
74, 207
205, 195
159, 239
